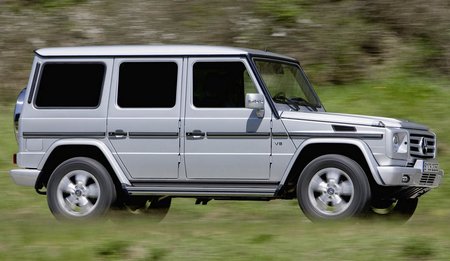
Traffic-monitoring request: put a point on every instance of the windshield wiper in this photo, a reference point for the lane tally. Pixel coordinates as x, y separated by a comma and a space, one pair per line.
280, 98
302, 102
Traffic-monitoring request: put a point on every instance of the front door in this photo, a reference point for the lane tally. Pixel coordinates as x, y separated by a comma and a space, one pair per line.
224, 140
144, 116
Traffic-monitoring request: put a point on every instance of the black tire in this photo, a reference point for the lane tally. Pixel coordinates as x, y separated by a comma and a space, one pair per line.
155, 208
333, 187
80, 188
401, 210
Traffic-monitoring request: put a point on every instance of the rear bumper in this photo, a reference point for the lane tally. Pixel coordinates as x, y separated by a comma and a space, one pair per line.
410, 176
24, 177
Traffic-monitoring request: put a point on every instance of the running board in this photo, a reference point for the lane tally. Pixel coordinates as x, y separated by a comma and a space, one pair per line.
207, 189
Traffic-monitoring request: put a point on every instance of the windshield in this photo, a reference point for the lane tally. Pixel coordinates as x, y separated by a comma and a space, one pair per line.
287, 84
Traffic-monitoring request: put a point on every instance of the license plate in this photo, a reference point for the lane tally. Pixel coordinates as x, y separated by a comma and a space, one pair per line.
430, 167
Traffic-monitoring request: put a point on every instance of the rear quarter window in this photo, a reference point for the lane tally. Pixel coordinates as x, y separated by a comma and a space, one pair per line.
70, 85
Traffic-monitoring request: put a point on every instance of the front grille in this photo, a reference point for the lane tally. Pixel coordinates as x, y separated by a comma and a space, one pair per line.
427, 179
422, 144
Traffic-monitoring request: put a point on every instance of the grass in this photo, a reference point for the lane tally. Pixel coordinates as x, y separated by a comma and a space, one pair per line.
226, 230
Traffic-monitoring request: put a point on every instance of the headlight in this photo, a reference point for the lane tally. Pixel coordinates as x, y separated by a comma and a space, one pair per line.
397, 144
400, 142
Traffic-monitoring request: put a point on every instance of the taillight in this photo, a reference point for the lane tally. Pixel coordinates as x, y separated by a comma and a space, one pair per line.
17, 111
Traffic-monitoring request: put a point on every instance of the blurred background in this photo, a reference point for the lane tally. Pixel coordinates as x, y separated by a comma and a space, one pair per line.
387, 58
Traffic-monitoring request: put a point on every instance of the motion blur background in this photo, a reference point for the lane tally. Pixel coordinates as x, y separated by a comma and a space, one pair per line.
387, 58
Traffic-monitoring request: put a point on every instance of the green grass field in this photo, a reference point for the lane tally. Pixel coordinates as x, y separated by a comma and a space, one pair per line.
226, 230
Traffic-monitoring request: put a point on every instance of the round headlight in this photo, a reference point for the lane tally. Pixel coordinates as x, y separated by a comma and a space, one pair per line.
396, 139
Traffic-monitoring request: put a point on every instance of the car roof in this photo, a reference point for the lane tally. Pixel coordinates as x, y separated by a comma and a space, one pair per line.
152, 50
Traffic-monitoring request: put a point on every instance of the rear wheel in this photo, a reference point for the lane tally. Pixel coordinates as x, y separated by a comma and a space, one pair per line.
80, 188
333, 187
155, 208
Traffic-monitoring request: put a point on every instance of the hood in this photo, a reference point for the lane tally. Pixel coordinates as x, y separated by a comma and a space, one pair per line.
352, 119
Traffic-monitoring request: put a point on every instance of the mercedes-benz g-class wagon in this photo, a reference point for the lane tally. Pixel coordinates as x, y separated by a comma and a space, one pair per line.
135, 126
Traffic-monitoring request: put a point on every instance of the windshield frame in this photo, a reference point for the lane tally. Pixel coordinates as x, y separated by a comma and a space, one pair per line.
290, 62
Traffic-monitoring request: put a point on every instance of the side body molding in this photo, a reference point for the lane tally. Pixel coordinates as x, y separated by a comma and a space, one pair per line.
371, 162
89, 142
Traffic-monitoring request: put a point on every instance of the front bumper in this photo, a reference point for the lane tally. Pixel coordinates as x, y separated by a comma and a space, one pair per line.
24, 177
417, 176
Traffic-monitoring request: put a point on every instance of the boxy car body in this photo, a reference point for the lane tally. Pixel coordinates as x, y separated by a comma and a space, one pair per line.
136, 126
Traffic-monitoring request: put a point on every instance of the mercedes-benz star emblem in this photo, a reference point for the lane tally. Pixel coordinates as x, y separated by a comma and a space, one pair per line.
423, 146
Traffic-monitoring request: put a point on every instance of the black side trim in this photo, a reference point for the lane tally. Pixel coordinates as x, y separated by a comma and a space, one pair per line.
153, 134
305, 135
280, 135
246, 135
63, 134
33, 83
343, 128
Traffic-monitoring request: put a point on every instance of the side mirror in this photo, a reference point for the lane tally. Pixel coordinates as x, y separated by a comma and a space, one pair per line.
255, 101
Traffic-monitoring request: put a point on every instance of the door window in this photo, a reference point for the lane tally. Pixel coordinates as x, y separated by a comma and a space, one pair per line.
147, 85
221, 84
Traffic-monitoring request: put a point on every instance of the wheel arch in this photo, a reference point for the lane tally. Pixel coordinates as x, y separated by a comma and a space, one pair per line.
69, 148
310, 149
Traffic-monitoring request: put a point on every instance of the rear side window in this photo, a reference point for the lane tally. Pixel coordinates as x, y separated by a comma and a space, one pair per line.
71, 85
147, 85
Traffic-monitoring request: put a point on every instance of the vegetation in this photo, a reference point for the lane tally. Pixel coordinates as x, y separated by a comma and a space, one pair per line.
245, 230
382, 58
339, 42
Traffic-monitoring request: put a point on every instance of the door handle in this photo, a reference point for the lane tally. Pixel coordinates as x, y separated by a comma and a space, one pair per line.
195, 134
118, 134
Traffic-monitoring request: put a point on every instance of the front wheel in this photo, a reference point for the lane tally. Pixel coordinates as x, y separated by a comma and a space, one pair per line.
80, 188
333, 187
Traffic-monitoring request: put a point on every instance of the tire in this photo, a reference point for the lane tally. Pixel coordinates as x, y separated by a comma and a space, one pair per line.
400, 210
155, 208
333, 187
79, 189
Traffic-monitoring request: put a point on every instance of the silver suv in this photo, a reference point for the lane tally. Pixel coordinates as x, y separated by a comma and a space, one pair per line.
135, 126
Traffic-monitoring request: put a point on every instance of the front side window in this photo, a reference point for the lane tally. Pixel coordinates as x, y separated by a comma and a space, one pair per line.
147, 85
70, 85
221, 84
287, 84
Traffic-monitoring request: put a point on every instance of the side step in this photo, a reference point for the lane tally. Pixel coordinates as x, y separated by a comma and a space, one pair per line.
196, 189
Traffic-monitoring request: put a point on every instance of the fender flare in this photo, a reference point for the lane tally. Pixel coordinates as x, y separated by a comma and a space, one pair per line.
89, 142
367, 153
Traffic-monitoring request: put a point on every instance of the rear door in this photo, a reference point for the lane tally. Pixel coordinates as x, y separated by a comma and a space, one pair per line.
144, 116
